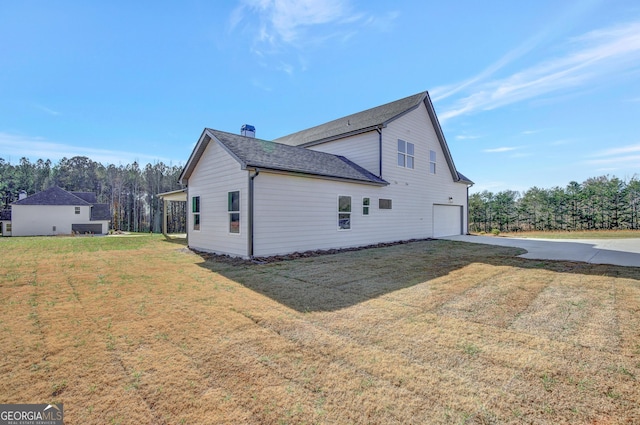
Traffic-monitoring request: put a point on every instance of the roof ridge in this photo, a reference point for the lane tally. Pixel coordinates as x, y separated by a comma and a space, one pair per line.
356, 122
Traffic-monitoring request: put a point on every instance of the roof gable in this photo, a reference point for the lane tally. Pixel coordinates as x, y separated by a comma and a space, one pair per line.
252, 152
52, 196
356, 123
256, 153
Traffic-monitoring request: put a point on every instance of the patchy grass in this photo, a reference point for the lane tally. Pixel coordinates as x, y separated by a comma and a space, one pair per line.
582, 234
140, 330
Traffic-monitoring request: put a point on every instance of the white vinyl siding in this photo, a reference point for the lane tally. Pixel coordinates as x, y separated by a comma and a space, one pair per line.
41, 220
362, 149
416, 191
216, 174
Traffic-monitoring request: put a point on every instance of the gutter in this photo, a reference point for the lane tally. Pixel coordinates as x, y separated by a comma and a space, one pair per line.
251, 211
379, 130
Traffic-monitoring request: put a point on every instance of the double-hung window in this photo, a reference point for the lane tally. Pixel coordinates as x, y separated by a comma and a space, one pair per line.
366, 204
432, 162
195, 211
233, 206
77, 210
405, 154
344, 212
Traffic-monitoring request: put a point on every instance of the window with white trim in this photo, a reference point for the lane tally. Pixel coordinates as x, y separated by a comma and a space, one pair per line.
344, 212
432, 162
366, 204
195, 211
405, 154
77, 210
233, 206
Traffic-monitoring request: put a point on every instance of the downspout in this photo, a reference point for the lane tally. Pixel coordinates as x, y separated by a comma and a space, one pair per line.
379, 130
250, 224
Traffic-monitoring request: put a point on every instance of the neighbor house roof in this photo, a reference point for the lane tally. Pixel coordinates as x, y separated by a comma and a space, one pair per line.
256, 153
100, 212
52, 196
356, 123
90, 197
5, 215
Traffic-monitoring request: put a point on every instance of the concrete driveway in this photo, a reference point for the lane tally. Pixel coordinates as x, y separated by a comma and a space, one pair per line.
620, 252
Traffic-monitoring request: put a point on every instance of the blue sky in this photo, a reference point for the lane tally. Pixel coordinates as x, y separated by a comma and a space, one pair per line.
528, 93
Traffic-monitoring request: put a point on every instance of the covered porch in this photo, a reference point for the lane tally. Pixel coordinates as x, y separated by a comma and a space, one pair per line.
168, 198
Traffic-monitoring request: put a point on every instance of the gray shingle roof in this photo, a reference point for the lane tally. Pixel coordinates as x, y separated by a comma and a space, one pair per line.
52, 196
100, 212
355, 123
90, 197
251, 152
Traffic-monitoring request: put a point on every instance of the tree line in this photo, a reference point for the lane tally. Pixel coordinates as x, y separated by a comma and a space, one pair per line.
598, 203
130, 190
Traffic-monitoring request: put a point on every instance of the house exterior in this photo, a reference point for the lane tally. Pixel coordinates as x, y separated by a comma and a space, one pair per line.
57, 212
385, 174
5, 222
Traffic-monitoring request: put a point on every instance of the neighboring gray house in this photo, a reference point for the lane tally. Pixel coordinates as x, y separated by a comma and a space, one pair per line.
381, 175
57, 212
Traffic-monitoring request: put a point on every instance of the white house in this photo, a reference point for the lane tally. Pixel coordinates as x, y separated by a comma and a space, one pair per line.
381, 175
57, 212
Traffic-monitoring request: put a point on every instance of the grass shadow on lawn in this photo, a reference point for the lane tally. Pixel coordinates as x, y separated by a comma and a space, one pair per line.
337, 281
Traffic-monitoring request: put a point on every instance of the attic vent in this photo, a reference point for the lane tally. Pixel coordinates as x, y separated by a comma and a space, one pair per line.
248, 130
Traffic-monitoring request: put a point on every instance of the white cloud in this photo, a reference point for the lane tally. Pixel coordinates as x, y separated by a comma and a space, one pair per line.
276, 27
502, 149
467, 137
286, 20
17, 146
47, 110
615, 160
623, 150
591, 58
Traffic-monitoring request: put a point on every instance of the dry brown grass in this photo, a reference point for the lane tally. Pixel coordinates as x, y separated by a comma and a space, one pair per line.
140, 330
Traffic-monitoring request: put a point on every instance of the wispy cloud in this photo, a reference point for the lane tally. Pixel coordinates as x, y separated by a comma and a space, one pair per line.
591, 58
46, 110
622, 150
17, 146
498, 150
467, 137
622, 156
285, 21
277, 26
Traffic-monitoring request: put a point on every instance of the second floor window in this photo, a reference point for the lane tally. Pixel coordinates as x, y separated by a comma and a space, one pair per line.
432, 162
405, 154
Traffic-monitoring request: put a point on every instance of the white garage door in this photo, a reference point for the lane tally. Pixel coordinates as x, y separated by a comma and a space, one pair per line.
447, 220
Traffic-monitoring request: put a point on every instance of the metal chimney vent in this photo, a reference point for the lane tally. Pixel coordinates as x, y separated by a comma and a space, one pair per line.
248, 130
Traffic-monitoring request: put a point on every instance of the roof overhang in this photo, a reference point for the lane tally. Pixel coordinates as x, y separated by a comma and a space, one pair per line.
174, 195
